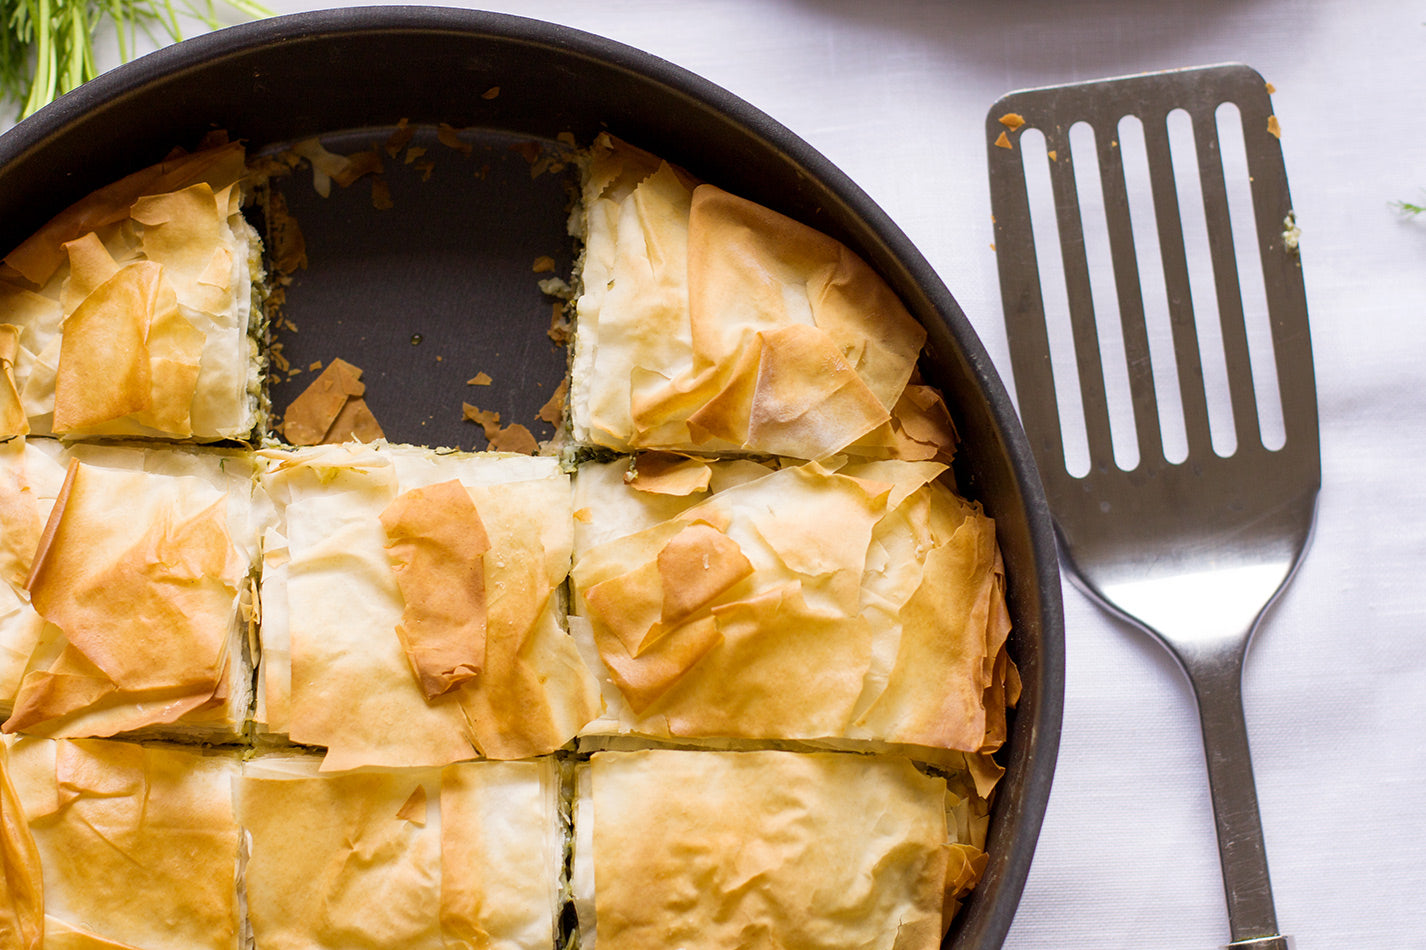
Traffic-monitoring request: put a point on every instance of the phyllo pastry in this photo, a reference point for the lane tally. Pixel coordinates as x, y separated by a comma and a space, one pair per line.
468, 855
854, 605
132, 313
731, 850
128, 588
707, 322
129, 846
412, 610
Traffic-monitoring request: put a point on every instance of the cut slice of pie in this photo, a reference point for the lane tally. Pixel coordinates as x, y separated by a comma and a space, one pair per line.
135, 311
412, 611
138, 845
128, 573
769, 849
857, 605
467, 855
709, 323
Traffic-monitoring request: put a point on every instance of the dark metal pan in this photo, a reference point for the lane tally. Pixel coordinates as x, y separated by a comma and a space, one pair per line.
452, 266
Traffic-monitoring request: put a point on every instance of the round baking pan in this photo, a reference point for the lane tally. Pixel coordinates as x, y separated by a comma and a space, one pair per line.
440, 286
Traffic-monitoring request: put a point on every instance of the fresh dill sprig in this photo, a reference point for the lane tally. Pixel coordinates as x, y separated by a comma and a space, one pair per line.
1406, 207
47, 46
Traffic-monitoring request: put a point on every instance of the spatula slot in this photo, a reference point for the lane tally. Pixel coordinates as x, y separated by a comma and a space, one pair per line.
1153, 295
1203, 278
1064, 371
1256, 322
1090, 178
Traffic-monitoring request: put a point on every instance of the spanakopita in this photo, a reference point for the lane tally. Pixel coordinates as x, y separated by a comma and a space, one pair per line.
133, 312
412, 610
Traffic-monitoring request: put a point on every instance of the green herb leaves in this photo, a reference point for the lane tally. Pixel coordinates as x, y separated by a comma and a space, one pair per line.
47, 46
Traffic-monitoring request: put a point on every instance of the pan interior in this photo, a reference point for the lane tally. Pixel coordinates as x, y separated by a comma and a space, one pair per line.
427, 275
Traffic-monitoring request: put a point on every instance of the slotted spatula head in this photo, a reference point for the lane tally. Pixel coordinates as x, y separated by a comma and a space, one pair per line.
1249, 507
1192, 544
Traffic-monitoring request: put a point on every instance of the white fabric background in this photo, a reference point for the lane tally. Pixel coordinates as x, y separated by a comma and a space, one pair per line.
896, 93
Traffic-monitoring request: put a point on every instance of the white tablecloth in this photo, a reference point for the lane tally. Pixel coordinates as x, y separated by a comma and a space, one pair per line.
896, 94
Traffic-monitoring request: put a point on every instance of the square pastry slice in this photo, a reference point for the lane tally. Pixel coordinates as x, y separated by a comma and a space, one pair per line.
133, 312
130, 846
854, 606
128, 589
468, 855
412, 610
821, 851
706, 322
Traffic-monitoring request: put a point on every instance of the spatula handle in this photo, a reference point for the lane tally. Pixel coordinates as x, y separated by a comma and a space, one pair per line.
1262, 943
1217, 683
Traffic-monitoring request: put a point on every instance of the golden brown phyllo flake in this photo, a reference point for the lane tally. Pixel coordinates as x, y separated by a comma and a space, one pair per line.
130, 313
332, 409
437, 545
709, 323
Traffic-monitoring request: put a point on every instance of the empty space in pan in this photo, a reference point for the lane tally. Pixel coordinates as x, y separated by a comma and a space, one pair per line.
427, 274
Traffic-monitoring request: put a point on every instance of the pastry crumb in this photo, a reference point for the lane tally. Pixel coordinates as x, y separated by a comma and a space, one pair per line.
515, 438
331, 409
560, 330
381, 194
1291, 233
449, 136
511, 438
529, 151
289, 247
556, 287
400, 138
553, 409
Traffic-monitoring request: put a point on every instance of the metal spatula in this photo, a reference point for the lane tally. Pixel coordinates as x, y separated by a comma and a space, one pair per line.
1192, 550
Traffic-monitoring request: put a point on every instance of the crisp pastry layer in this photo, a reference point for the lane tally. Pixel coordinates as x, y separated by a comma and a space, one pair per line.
765, 849
861, 603
411, 606
709, 323
468, 855
132, 312
130, 846
127, 589
124, 846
